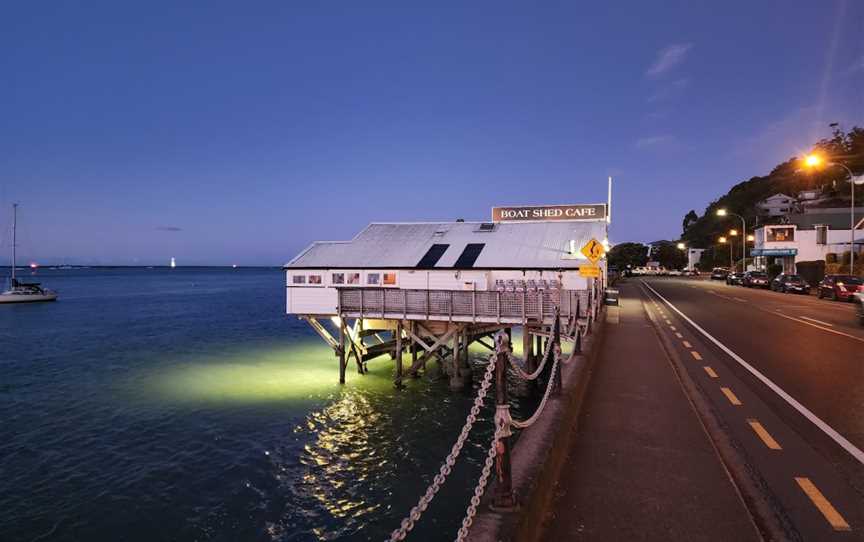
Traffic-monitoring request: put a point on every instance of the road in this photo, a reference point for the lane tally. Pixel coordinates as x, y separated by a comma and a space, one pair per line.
784, 375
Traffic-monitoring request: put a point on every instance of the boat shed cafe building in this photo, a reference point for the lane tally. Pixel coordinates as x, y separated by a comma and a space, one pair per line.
428, 282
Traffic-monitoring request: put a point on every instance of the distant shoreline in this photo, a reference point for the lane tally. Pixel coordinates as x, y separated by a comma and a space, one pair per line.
70, 267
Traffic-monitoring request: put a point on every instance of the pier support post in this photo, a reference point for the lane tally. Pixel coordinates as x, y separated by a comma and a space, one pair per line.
414, 373
556, 350
342, 361
503, 498
465, 368
456, 381
527, 350
398, 354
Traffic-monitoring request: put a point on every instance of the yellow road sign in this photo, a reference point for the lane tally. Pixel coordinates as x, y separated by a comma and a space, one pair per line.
593, 250
589, 271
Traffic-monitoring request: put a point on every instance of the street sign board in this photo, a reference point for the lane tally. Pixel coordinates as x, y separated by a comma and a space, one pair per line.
589, 271
546, 213
593, 250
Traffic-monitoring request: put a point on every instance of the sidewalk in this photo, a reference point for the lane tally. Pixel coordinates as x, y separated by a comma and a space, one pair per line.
642, 467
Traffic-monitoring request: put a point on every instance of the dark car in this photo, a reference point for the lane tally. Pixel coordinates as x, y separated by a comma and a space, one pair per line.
734, 278
755, 279
839, 287
719, 273
788, 283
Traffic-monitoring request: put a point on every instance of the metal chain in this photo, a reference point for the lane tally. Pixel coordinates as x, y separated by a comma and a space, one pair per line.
530, 421
413, 516
539, 370
471, 511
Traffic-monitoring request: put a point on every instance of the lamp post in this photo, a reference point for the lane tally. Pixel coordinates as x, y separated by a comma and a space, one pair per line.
723, 240
724, 212
814, 160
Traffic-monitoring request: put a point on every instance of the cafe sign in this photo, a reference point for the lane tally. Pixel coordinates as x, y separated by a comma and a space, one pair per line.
546, 213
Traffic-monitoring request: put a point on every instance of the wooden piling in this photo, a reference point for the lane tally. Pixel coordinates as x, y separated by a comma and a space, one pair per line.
503, 498
398, 354
343, 363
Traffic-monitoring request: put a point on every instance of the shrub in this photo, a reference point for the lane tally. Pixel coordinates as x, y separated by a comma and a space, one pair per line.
830, 258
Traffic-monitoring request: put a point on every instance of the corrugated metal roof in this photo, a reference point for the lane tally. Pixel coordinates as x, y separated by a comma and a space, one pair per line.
527, 245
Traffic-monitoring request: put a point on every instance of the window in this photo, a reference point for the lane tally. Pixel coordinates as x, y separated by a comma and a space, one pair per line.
337, 278
353, 278
779, 235
298, 279
469, 256
486, 226
432, 256
314, 279
389, 279
821, 235
373, 278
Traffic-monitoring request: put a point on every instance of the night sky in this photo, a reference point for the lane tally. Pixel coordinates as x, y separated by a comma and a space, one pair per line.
239, 132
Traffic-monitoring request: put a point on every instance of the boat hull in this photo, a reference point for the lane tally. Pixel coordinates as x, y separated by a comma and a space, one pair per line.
27, 298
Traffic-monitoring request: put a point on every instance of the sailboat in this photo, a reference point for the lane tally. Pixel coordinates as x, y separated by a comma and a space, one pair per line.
23, 292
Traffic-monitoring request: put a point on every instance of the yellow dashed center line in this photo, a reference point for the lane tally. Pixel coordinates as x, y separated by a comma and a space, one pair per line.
687, 345
831, 514
764, 435
710, 372
696, 355
731, 396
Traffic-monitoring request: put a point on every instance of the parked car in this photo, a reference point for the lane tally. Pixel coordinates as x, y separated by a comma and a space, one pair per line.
839, 287
755, 279
859, 300
789, 283
719, 273
734, 278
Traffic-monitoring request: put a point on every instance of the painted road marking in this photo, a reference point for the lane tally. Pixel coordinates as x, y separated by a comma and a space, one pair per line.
764, 434
687, 345
696, 355
710, 372
831, 514
731, 396
673, 328
853, 450
739, 299
817, 321
668, 322
679, 335
711, 292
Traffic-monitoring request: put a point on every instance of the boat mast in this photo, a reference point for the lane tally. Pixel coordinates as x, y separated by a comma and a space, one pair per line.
14, 222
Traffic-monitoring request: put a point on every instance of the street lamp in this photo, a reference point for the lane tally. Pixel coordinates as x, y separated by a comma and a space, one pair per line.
681, 246
723, 240
813, 161
724, 212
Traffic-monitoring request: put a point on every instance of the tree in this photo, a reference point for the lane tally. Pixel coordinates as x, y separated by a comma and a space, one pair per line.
689, 219
624, 254
669, 255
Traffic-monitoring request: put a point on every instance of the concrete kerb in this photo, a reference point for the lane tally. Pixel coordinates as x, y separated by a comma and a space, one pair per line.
540, 453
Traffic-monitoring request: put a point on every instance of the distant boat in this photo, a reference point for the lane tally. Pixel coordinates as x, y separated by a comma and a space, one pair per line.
23, 292
173, 263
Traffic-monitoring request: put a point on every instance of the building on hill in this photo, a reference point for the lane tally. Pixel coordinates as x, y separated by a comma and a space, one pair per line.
776, 205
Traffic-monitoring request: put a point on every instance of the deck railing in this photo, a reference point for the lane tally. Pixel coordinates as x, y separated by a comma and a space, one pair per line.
465, 304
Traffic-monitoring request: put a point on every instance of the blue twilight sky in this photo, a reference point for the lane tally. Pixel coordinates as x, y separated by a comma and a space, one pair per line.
238, 132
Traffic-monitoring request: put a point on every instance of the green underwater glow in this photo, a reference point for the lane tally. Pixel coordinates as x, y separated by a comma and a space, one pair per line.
304, 371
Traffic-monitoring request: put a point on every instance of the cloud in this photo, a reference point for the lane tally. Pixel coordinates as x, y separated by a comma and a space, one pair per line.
168, 228
668, 58
857, 66
650, 142
670, 91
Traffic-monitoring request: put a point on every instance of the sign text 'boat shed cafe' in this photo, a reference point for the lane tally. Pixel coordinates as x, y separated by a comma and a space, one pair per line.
549, 212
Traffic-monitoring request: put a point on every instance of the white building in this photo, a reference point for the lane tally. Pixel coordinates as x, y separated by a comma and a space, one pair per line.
693, 257
776, 205
441, 286
807, 237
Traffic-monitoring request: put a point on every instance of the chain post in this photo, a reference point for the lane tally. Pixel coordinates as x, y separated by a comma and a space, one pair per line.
556, 350
503, 498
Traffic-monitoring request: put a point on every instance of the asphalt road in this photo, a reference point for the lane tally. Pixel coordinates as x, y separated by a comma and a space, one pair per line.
785, 375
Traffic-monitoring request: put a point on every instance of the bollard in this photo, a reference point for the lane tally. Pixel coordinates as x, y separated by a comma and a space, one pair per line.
503, 499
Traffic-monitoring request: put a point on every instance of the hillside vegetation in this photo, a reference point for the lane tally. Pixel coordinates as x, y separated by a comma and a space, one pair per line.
789, 178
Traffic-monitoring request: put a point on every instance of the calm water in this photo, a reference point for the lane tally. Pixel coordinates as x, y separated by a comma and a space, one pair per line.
151, 404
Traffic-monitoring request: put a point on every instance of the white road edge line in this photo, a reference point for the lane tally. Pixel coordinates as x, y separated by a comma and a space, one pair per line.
817, 321
804, 411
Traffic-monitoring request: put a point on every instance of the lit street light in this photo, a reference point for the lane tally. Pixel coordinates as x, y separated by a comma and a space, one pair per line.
723, 240
681, 246
724, 212
813, 161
